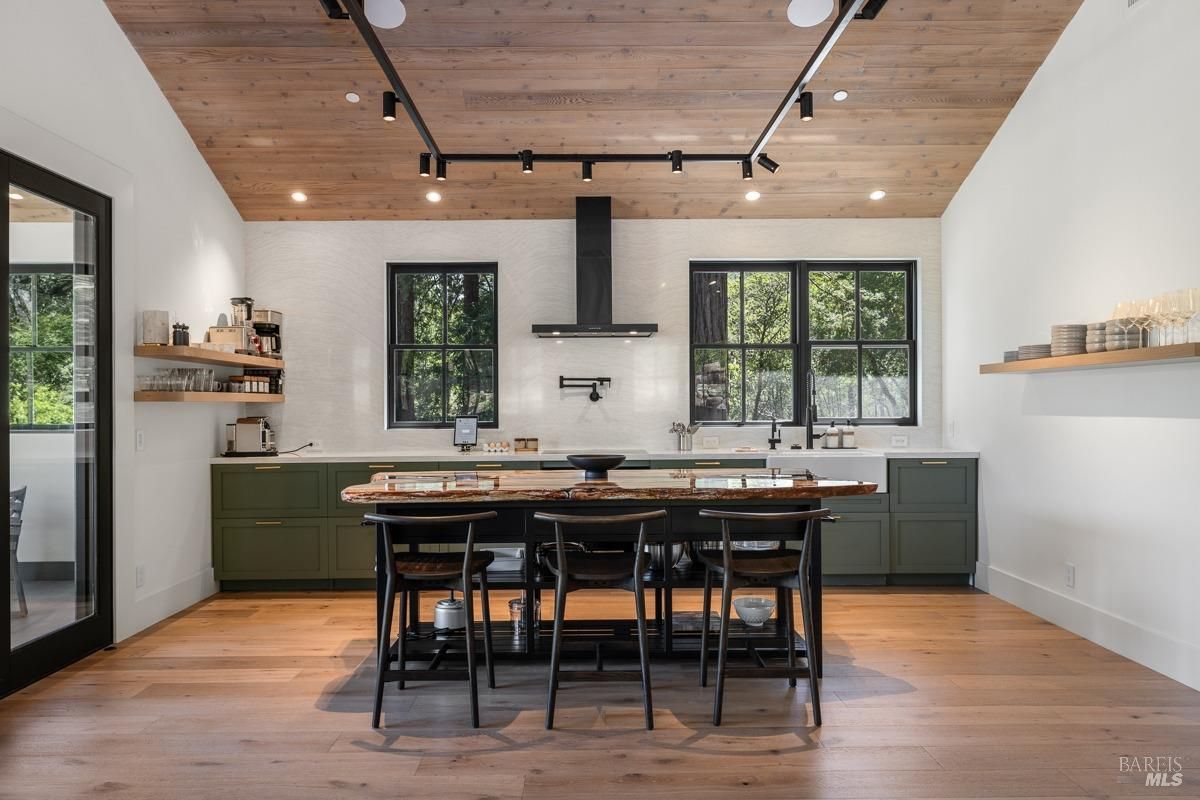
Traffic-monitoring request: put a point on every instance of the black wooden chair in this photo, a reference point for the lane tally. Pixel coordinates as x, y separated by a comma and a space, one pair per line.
575, 570
409, 573
786, 570
16, 506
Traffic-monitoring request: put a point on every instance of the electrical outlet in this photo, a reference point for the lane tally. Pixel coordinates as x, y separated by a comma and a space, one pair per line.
139, 576
1070, 576
711, 442
139, 441
900, 441
317, 444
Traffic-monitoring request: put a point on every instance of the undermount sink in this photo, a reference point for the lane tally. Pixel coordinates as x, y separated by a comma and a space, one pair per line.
841, 465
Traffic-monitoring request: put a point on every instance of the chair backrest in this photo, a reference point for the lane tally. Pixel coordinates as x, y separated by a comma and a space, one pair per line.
16, 505
561, 520
389, 526
805, 517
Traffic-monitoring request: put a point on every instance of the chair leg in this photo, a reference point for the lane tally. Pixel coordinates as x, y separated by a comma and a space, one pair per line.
813, 683
472, 667
789, 619
400, 646
487, 629
560, 607
723, 645
18, 585
704, 626
639, 595
385, 648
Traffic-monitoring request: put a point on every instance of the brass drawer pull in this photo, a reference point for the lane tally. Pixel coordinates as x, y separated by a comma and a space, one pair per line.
268, 522
381, 466
707, 463
935, 463
488, 465
263, 469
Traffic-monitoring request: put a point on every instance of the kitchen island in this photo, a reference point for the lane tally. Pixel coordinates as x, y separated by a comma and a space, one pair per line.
516, 495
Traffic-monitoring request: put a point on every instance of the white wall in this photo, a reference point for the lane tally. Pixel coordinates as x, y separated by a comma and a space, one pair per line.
329, 280
77, 99
1087, 196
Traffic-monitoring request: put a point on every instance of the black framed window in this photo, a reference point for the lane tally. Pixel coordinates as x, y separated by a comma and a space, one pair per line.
41, 347
758, 328
442, 344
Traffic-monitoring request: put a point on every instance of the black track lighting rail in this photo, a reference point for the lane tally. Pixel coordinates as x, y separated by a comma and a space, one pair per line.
849, 10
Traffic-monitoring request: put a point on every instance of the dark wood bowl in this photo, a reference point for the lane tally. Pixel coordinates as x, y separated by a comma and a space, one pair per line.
595, 465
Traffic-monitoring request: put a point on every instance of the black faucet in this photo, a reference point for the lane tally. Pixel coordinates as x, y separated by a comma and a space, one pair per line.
775, 437
812, 412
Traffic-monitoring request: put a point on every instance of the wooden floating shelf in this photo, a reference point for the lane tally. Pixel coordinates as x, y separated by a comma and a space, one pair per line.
199, 355
205, 397
1118, 358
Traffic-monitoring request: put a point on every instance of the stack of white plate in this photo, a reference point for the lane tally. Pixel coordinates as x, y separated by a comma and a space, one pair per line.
1096, 337
1068, 340
1028, 351
1010, 355
1122, 334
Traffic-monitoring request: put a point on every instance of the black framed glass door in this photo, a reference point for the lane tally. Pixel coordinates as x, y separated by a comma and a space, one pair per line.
57, 454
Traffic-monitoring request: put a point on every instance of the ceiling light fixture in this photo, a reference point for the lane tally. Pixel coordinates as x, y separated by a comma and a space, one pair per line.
299, 197
441, 169
424, 170
753, 195
878, 194
389, 106
768, 163
747, 170
352, 97
806, 106
840, 96
808, 13
385, 13
587, 171
433, 196
676, 161
526, 161
15, 196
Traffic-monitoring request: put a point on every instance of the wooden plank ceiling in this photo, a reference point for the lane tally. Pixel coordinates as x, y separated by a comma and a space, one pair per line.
260, 86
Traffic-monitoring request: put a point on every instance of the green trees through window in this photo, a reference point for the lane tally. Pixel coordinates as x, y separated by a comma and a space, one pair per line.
41, 353
442, 344
757, 329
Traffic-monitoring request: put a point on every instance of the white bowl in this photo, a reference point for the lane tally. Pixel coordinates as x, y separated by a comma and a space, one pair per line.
754, 611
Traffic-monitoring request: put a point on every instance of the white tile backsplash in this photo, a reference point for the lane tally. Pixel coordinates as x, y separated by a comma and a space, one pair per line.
328, 278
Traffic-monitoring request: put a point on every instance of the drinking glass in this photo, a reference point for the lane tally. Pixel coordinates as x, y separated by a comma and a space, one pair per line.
1183, 309
1160, 317
1141, 318
1192, 327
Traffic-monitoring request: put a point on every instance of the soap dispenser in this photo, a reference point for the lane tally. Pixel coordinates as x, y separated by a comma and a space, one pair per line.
848, 438
832, 440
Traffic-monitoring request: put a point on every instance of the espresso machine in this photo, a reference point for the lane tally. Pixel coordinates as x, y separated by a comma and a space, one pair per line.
250, 436
268, 326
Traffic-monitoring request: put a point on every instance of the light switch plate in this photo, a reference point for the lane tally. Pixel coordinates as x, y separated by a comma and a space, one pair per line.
139, 441
711, 442
1070, 576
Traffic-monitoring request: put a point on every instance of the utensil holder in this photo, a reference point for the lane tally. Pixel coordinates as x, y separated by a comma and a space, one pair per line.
684, 442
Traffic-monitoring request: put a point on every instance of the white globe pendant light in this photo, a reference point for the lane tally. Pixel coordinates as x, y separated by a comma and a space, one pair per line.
807, 13
388, 13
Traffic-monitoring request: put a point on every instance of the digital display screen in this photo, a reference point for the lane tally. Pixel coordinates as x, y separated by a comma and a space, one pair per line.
466, 430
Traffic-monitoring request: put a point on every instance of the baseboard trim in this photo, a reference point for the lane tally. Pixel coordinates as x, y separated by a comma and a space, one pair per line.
148, 610
1160, 652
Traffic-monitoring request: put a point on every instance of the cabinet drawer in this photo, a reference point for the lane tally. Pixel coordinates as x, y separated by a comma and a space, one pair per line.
343, 475
933, 543
856, 545
862, 504
487, 463
256, 549
932, 484
351, 548
269, 490
709, 463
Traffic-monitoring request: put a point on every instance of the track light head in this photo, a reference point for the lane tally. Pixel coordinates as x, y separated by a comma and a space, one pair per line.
806, 106
389, 106
441, 169
676, 161
424, 171
526, 161
587, 171
767, 163
747, 170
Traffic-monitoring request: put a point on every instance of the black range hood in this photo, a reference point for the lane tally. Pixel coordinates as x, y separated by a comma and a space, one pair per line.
593, 280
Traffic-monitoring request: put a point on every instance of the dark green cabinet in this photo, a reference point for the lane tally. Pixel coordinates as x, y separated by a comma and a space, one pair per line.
270, 549
709, 463
269, 490
343, 475
857, 544
351, 548
933, 543
924, 485
863, 504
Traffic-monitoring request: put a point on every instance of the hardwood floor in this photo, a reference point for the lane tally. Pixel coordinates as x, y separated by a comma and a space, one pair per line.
928, 693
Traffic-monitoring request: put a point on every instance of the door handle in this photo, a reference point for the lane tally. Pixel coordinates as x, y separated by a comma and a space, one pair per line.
263, 469
268, 522
707, 463
488, 465
381, 466
935, 463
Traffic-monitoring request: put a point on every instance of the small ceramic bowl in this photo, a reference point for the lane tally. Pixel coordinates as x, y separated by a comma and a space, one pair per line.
754, 611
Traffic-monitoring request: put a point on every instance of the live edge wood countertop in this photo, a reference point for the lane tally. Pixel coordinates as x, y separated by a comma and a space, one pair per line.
569, 485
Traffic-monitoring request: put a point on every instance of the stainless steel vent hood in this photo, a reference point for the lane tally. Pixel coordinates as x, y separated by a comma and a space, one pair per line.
593, 280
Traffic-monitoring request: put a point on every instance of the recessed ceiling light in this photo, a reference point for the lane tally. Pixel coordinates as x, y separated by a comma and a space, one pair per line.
878, 194
352, 97
840, 95
752, 195
433, 197
15, 196
299, 197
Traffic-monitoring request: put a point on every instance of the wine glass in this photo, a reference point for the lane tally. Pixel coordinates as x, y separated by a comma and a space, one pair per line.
1179, 310
1141, 320
1194, 301
1123, 316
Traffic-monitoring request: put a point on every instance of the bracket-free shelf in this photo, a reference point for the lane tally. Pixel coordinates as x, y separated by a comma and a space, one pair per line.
205, 397
1117, 358
199, 355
